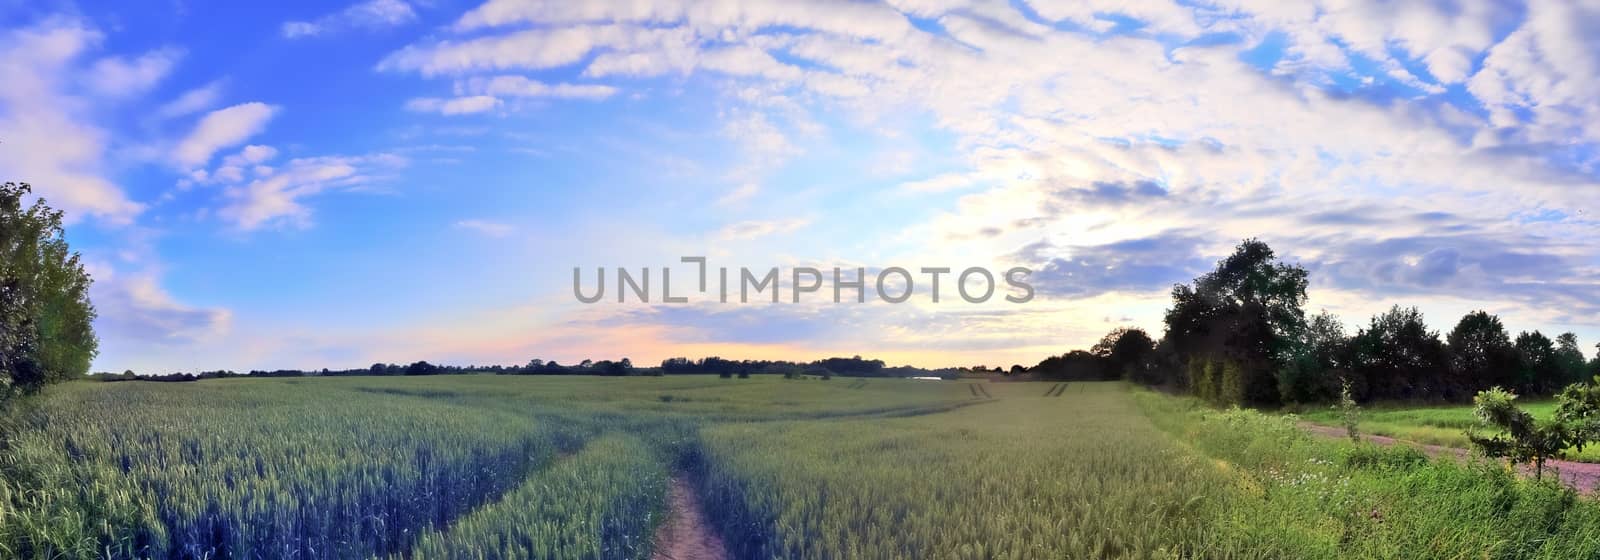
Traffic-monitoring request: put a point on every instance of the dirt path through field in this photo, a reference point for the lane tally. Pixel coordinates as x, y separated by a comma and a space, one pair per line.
686, 534
1583, 477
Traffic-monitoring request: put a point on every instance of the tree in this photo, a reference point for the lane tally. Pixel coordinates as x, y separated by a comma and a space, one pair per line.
1312, 374
421, 368
1594, 365
1538, 372
1128, 353
46, 320
1246, 313
1569, 359
1397, 357
1481, 354
1578, 405
1525, 439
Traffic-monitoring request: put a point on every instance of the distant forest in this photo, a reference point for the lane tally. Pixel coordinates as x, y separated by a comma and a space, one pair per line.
826, 368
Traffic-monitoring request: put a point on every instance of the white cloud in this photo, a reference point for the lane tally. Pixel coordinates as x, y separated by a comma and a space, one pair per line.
192, 101
1550, 67
756, 133
251, 155
275, 199
851, 19
739, 194
120, 77
752, 229
221, 129
372, 14
532, 49
520, 86
48, 129
1099, 140
486, 228
454, 106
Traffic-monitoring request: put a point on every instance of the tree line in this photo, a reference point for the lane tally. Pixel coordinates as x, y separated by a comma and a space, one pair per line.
855, 366
1240, 335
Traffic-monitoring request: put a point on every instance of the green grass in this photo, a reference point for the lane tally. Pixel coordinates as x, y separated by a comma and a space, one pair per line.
1330, 498
1436, 424
488, 467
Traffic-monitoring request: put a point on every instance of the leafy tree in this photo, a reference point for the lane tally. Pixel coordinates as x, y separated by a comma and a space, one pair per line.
1594, 364
1247, 312
1569, 359
1537, 372
421, 368
1128, 352
1481, 353
1578, 405
1397, 357
46, 320
1316, 359
1525, 439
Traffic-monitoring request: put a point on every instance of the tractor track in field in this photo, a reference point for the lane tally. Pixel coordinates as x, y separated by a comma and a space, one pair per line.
686, 534
979, 391
1583, 477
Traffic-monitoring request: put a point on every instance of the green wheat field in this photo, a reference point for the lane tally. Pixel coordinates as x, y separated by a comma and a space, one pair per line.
484, 466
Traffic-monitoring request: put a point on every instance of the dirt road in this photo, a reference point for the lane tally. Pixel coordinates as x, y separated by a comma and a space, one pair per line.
686, 534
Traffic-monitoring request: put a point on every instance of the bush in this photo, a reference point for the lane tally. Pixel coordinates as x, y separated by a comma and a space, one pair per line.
1525, 439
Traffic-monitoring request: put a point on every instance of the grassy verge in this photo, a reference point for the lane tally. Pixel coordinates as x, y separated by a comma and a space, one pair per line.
1334, 499
1444, 425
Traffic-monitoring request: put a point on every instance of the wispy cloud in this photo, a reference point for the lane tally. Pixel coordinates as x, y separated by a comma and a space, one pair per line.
752, 229
486, 228
275, 198
220, 129
454, 106
372, 14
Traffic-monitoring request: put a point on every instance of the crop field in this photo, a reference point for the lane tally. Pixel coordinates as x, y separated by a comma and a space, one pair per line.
484, 466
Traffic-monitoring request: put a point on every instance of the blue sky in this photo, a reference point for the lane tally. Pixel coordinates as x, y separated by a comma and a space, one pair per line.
298, 184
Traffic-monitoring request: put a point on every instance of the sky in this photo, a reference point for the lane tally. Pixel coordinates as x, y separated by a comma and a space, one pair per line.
331, 184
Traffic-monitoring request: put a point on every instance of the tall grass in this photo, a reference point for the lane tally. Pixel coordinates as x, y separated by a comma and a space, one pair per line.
1335, 499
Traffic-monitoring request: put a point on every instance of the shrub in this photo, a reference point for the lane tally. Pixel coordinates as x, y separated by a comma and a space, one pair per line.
1525, 439
1349, 413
